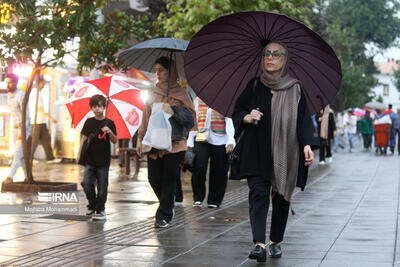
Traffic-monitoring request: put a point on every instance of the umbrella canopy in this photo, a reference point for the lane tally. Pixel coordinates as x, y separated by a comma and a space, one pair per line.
226, 53
375, 105
124, 107
143, 55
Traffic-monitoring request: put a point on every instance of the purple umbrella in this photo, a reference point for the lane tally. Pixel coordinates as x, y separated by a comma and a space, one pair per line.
226, 53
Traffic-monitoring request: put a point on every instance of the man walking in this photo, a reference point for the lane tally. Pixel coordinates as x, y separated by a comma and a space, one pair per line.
15, 98
39, 126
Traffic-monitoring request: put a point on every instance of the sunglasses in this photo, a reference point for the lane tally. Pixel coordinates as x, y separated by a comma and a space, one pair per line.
274, 54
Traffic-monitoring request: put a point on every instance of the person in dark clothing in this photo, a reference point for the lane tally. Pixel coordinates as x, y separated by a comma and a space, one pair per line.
326, 132
367, 129
98, 158
164, 166
276, 152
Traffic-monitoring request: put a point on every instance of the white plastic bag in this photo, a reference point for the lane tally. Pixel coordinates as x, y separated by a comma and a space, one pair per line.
159, 131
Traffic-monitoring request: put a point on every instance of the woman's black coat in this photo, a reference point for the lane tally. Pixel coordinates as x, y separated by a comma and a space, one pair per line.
331, 124
256, 155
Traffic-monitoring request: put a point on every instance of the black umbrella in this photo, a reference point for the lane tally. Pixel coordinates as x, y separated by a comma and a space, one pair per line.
143, 55
226, 53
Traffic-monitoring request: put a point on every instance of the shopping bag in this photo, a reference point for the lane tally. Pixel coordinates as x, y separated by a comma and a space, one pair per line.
159, 131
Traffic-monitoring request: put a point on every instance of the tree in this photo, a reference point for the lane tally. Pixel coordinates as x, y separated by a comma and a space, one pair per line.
43, 28
348, 25
186, 17
397, 79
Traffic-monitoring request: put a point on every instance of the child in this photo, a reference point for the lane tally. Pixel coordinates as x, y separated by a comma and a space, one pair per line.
98, 156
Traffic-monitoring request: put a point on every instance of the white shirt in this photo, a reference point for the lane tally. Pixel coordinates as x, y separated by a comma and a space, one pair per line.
41, 118
350, 123
213, 139
15, 105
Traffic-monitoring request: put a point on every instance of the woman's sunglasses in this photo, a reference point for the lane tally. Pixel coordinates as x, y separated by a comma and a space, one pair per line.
274, 54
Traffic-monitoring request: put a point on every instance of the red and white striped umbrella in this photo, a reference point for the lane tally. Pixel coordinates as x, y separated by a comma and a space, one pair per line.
124, 104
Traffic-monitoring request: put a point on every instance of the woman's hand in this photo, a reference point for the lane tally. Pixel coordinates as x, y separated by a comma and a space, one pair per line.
309, 155
255, 115
139, 148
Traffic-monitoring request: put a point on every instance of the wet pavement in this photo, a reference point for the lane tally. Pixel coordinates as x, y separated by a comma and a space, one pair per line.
347, 216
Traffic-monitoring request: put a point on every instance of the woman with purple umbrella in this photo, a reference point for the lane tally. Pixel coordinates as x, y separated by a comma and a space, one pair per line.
277, 145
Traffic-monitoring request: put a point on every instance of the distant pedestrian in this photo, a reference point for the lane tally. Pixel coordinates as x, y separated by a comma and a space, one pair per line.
367, 129
39, 124
101, 131
277, 151
350, 122
396, 127
338, 140
213, 140
15, 98
164, 167
326, 132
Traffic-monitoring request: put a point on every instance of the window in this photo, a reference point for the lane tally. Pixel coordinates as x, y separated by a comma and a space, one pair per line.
386, 90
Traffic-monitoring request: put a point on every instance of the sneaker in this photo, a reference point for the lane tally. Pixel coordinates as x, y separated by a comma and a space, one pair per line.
90, 212
212, 206
322, 162
99, 216
160, 224
197, 204
178, 204
329, 160
54, 161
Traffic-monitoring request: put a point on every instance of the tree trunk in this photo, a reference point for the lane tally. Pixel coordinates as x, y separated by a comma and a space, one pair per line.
27, 156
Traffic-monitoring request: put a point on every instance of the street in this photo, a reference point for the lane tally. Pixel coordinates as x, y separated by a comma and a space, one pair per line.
347, 216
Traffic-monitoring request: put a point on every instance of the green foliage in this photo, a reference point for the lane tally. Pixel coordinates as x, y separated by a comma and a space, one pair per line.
397, 79
188, 16
348, 25
380, 99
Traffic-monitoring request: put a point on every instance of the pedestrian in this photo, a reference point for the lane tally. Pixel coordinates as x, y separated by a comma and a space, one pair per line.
15, 98
338, 140
276, 150
101, 131
326, 132
213, 141
350, 122
393, 132
367, 129
396, 127
163, 166
122, 143
40, 134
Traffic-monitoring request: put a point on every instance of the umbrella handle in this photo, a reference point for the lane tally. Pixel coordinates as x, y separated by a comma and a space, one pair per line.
169, 70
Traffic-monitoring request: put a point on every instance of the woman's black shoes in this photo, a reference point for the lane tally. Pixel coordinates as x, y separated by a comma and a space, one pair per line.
274, 251
258, 253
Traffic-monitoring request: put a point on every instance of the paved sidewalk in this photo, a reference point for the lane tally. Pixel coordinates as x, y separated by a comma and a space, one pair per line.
348, 216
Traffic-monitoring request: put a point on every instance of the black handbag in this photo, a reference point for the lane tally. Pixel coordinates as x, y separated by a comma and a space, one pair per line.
234, 156
181, 122
86, 144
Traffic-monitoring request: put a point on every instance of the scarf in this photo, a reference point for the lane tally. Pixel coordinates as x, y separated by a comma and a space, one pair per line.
325, 123
285, 147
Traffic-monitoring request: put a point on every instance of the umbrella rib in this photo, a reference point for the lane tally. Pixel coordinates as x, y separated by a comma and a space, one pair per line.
249, 35
150, 56
216, 60
273, 25
312, 79
128, 60
209, 52
305, 92
229, 78
256, 33
319, 58
247, 71
280, 28
258, 26
289, 31
221, 40
205, 85
320, 71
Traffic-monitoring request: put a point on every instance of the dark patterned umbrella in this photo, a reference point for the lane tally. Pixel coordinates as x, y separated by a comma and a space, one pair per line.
226, 53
